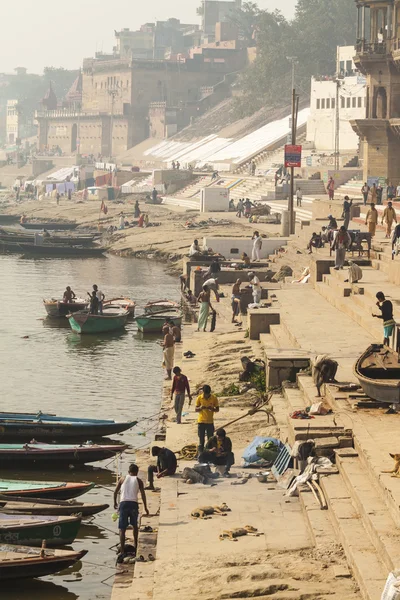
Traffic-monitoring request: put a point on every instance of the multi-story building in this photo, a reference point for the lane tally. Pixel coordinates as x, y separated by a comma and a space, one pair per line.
378, 58
12, 122
116, 95
213, 12
334, 102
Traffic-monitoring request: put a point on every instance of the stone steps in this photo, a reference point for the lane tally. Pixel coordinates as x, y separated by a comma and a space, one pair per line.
351, 308
280, 337
375, 516
368, 569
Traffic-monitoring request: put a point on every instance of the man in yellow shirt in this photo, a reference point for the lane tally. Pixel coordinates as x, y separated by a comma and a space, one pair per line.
206, 406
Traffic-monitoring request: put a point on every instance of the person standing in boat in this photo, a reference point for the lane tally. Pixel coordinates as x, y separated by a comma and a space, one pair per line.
69, 295
386, 308
100, 298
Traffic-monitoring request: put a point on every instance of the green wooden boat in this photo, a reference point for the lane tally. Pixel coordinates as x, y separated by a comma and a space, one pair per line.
112, 320
153, 323
31, 530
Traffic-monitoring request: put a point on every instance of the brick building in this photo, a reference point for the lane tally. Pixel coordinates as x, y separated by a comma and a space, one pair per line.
116, 95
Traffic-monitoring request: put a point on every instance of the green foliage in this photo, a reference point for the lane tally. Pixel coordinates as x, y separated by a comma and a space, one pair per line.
230, 390
258, 379
319, 26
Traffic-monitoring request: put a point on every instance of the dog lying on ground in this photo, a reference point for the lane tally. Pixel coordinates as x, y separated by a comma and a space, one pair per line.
238, 532
396, 471
205, 512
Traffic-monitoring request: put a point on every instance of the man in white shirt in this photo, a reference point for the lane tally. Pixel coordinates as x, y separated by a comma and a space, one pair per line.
213, 285
398, 191
255, 283
257, 245
194, 249
128, 508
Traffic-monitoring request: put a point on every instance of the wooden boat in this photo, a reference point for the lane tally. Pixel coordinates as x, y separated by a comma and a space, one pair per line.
42, 427
54, 490
378, 371
31, 530
8, 235
10, 247
58, 308
161, 306
19, 562
52, 225
111, 320
4, 219
36, 506
61, 250
124, 303
54, 455
153, 323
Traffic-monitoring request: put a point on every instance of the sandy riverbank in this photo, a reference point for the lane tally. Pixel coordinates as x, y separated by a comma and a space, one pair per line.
168, 241
284, 562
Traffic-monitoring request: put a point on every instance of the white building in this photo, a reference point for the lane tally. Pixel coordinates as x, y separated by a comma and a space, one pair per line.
350, 88
12, 121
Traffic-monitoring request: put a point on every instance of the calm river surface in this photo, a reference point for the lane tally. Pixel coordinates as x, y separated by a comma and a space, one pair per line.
117, 376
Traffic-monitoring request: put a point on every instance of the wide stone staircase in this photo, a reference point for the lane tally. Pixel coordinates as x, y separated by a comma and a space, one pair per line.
334, 317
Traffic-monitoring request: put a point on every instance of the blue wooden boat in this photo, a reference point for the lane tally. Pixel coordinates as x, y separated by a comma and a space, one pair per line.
43, 427
54, 490
153, 323
114, 318
31, 530
55, 455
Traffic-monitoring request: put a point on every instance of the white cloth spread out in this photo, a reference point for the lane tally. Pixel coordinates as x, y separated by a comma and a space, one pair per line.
130, 489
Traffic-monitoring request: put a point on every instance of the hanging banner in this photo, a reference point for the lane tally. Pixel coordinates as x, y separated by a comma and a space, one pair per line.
292, 155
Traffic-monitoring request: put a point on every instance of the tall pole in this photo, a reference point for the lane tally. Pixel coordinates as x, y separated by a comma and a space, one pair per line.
337, 126
291, 196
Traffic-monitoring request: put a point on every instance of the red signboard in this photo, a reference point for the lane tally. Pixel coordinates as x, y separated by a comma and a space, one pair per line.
292, 156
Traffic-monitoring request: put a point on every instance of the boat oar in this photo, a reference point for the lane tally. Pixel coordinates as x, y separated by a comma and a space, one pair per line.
380, 362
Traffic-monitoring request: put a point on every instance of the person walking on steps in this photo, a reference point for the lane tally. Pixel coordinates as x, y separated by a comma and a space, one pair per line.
180, 385
389, 216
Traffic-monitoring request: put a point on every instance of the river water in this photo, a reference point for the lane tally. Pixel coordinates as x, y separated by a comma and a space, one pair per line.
47, 367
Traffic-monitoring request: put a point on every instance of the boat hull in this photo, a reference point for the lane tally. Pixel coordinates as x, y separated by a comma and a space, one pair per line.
4, 219
56, 531
62, 309
60, 250
36, 506
26, 431
41, 490
378, 388
53, 226
86, 323
31, 566
160, 306
153, 324
48, 456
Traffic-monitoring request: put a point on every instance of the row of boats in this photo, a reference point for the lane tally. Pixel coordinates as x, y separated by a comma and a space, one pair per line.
36, 517
35, 239
116, 313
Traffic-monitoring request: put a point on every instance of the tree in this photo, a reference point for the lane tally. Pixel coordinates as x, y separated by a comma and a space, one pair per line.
319, 26
245, 19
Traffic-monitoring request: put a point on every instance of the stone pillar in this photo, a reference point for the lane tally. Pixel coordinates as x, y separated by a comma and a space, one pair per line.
358, 23
363, 22
389, 22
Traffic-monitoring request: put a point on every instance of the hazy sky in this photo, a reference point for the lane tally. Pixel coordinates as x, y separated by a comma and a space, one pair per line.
51, 33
